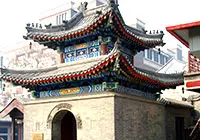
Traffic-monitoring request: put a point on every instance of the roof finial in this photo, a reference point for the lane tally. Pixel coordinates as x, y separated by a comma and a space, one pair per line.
28, 24
40, 26
48, 26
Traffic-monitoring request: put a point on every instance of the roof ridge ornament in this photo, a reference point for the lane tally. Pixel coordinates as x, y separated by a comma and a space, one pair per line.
98, 12
83, 6
48, 26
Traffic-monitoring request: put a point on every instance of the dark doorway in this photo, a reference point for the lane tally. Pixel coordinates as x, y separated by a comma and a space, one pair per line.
64, 126
68, 127
179, 128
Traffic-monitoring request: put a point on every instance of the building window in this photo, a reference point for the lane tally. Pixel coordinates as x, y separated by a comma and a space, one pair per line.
162, 59
179, 54
57, 20
98, 3
165, 59
65, 16
4, 133
62, 18
149, 54
4, 130
145, 53
4, 137
155, 54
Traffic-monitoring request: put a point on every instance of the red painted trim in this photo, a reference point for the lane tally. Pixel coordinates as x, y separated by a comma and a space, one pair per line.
189, 59
193, 84
12, 105
128, 35
179, 38
183, 26
141, 76
171, 30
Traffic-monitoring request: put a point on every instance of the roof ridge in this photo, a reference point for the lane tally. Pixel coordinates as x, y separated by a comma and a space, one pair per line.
170, 101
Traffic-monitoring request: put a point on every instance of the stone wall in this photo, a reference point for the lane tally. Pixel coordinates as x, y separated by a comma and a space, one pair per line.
94, 116
138, 118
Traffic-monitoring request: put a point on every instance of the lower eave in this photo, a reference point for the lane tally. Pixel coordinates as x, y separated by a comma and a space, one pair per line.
113, 62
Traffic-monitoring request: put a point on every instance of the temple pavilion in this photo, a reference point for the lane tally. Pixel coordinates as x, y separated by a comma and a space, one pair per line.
96, 92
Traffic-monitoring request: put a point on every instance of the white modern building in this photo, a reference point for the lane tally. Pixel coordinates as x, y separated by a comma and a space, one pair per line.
58, 14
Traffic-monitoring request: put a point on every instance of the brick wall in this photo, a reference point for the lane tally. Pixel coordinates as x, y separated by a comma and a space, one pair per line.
106, 116
137, 118
95, 112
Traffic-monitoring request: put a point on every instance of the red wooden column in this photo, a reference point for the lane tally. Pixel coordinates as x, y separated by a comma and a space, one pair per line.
62, 57
13, 128
20, 129
104, 48
61, 54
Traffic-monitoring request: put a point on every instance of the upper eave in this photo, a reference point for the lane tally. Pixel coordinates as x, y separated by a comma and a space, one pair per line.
181, 32
88, 22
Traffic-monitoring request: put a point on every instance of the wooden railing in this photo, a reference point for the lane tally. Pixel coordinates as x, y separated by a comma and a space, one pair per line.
193, 63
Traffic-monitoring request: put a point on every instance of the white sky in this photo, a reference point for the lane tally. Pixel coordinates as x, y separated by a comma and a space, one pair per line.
157, 14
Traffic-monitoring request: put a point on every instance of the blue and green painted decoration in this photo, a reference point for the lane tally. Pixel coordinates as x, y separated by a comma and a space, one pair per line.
86, 50
110, 86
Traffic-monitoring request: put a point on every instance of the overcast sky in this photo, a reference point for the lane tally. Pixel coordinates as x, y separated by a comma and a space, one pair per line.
157, 14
